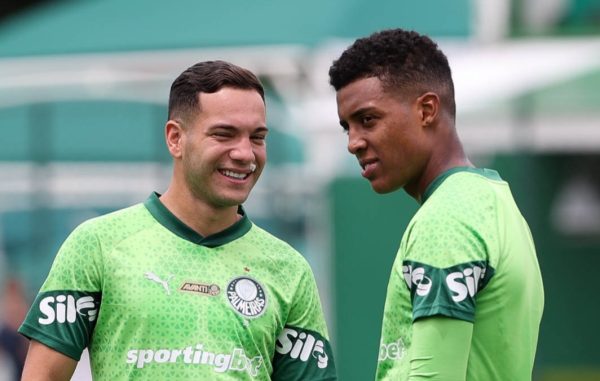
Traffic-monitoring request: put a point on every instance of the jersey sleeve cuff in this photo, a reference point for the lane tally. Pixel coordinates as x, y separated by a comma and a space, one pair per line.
34, 334
450, 312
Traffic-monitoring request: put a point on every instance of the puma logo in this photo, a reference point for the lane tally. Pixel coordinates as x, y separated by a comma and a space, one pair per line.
155, 278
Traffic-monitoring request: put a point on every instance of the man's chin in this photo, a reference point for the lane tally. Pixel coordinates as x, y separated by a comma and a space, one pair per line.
382, 188
230, 201
222, 200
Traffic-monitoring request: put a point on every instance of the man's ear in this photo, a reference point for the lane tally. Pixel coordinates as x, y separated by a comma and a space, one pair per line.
174, 137
429, 107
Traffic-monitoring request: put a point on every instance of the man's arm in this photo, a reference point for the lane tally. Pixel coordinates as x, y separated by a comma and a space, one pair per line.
46, 364
302, 350
440, 349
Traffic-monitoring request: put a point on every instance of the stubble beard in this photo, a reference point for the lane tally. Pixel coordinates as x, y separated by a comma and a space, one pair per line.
206, 192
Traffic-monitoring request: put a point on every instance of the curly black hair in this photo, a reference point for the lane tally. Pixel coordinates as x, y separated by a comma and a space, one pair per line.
404, 61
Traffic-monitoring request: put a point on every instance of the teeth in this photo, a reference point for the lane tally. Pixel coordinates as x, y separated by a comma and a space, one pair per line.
235, 175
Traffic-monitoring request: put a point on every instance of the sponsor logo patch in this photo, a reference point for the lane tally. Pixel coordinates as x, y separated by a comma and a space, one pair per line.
200, 288
302, 346
416, 276
451, 290
235, 361
392, 351
66, 308
247, 296
465, 282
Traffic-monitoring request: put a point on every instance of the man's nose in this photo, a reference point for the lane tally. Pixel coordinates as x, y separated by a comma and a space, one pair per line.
355, 142
243, 150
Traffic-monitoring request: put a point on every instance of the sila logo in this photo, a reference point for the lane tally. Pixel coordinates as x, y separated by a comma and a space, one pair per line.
465, 283
301, 345
417, 277
65, 308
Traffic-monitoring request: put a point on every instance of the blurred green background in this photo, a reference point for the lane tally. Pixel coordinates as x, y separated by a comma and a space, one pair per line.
83, 92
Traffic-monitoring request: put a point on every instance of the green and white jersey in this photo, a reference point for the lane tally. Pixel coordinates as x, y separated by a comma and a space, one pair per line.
467, 254
153, 300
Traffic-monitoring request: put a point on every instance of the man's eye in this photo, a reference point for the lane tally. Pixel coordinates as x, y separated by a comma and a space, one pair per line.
345, 127
222, 134
367, 119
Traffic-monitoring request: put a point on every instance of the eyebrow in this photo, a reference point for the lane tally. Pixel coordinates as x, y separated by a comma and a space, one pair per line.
356, 114
361, 111
224, 126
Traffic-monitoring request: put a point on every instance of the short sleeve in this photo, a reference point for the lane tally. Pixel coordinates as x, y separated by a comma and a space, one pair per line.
64, 313
445, 264
303, 351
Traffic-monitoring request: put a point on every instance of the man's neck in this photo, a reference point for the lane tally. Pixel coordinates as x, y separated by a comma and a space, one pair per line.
441, 160
204, 219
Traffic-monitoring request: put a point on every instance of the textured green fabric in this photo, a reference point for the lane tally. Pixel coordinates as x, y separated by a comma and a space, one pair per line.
440, 350
467, 254
155, 304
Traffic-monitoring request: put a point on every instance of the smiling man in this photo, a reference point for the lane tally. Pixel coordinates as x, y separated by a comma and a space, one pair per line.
465, 295
185, 286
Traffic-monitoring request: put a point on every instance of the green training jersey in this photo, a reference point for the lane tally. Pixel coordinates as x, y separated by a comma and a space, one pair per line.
467, 254
153, 300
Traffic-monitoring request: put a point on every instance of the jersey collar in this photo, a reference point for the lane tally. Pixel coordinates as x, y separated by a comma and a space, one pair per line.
177, 227
435, 184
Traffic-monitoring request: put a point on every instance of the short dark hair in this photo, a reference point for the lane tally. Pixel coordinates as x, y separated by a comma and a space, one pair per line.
402, 60
207, 77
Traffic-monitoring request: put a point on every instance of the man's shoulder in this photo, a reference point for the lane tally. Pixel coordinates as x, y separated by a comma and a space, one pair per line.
469, 186
114, 225
117, 217
272, 240
465, 202
461, 192
277, 247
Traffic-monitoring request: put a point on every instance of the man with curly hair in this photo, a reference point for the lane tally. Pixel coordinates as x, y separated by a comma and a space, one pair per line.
465, 295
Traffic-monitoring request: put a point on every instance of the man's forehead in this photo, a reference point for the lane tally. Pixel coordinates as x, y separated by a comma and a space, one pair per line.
231, 99
359, 92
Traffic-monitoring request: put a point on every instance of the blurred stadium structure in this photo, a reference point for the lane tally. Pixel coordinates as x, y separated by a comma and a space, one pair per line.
83, 93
